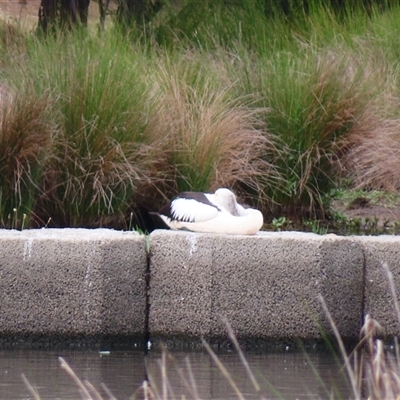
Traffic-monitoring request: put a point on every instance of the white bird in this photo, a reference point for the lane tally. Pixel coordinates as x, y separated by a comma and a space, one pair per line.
212, 213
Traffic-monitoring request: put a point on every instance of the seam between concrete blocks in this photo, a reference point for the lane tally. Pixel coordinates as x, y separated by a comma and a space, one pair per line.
147, 295
212, 295
147, 334
364, 283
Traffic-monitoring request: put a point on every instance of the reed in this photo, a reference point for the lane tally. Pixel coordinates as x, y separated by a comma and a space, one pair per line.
373, 371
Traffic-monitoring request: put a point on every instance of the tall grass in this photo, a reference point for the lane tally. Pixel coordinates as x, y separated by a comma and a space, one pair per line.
212, 138
130, 125
25, 141
99, 152
277, 107
314, 101
209, 24
374, 159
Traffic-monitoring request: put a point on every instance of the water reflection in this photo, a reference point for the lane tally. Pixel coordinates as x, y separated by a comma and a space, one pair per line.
121, 372
290, 374
281, 376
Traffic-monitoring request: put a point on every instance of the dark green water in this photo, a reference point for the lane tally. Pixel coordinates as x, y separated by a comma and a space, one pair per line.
290, 374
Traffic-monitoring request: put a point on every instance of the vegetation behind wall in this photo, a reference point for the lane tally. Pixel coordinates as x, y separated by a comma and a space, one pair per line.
205, 94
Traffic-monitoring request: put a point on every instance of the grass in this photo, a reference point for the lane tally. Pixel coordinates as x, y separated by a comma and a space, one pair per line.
280, 109
376, 197
212, 138
313, 107
26, 138
374, 158
99, 153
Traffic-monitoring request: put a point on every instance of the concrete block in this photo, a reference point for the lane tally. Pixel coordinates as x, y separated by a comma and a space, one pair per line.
266, 285
180, 284
379, 302
72, 283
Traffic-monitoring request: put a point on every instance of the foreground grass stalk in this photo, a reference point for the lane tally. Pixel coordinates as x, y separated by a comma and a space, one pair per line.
108, 392
96, 395
392, 290
355, 383
164, 375
249, 372
223, 370
82, 388
31, 389
192, 381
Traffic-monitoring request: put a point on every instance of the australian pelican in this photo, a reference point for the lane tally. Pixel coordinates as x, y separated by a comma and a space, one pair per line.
213, 213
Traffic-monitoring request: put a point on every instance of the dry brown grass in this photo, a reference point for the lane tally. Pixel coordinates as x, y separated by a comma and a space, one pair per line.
25, 140
370, 152
373, 161
210, 139
91, 183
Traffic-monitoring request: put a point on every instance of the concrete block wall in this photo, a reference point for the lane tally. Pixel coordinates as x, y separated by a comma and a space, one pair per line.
77, 284
379, 301
266, 286
71, 283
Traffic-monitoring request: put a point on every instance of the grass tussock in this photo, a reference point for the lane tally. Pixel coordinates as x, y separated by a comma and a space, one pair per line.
374, 158
100, 155
12, 43
211, 138
25, 140
314, 102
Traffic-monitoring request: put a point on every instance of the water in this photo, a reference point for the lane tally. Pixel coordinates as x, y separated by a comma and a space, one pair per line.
290, 374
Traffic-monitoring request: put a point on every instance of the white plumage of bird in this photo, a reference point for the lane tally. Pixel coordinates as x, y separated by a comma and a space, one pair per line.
211, 213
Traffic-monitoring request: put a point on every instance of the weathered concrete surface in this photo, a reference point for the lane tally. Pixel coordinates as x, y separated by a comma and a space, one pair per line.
77, 284
69, 283
379, 302
267, 285
181, 284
